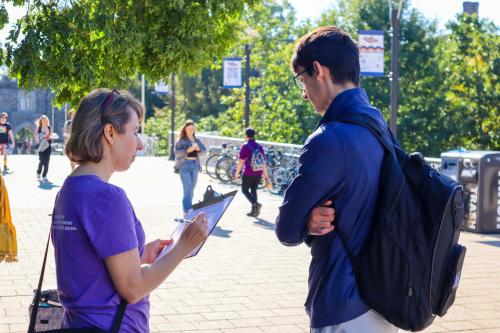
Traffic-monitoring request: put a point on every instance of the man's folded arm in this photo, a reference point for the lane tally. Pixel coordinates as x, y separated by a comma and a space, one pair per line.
321, 170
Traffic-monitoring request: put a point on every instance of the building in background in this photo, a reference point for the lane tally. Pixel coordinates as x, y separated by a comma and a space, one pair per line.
24, 108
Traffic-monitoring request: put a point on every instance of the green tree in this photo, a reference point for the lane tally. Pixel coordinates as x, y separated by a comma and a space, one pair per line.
199, 95
470, 62
277, 110
75, 46
419, 75
448, 85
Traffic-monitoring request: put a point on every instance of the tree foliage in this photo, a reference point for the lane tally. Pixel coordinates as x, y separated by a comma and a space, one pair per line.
277, 110
448, 85
470, 64
449, 88
75, 46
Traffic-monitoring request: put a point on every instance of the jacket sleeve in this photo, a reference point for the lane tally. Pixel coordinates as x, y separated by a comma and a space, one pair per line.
203, 149
321, 172
181, 147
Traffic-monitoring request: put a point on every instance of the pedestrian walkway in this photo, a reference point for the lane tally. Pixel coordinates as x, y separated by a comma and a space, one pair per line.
243, 280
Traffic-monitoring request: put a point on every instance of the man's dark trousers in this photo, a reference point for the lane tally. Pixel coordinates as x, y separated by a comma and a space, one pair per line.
249, 186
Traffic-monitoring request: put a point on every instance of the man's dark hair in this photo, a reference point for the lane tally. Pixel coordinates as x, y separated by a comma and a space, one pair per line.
250, 132
332, 48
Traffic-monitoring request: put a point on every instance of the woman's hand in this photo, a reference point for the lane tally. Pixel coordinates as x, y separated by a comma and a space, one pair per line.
152, 249
194, 234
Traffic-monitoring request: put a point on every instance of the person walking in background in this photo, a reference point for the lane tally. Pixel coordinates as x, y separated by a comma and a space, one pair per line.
253, 161
188, 150
43, 138
67, 133
99, 244
340, 164
6, 138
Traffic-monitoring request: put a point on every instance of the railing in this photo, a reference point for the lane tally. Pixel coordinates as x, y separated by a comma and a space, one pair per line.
217, 141
289, 152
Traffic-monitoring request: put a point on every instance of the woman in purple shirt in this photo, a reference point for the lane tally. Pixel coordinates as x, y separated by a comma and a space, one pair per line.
99, 242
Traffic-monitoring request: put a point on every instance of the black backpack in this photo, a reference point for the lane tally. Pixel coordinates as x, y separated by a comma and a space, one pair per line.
409, 267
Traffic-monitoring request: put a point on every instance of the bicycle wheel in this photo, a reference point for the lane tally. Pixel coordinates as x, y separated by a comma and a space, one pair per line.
210, 164
223, 169
232, 173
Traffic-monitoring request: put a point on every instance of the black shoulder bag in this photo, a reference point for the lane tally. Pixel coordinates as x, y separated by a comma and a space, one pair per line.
47, 313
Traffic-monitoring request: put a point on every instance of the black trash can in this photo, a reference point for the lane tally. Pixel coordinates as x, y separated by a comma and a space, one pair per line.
479, 173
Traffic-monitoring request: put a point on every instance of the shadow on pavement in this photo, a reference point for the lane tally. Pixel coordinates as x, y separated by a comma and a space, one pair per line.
492, 243
219, 232
48, 185
265, 224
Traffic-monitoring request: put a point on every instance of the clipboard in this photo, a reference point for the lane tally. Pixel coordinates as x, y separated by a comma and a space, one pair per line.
214, 205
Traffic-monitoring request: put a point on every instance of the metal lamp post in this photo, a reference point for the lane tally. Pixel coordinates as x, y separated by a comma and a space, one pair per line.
395, 18
172, 117
247, 85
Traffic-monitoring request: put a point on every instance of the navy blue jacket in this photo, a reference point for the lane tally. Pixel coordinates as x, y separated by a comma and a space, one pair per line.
339, 161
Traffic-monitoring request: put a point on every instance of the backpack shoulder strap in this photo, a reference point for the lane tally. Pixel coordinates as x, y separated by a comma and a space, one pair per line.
387, 141
385, 137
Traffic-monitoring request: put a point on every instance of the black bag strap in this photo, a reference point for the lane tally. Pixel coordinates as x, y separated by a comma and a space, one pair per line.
38, 293
387, 140
120, 312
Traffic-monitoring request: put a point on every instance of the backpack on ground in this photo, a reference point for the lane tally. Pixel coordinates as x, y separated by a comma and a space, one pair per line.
257, 159
409, 267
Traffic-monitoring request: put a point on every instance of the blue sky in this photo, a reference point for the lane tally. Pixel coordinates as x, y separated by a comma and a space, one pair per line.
442, 10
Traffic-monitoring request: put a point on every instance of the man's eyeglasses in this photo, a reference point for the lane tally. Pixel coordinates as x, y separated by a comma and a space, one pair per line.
298, 80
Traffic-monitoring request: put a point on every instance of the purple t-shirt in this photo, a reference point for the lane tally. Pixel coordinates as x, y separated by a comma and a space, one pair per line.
93, 220
246, 152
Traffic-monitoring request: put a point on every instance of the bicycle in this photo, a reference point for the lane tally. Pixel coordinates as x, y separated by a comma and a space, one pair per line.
225, 168
216, 153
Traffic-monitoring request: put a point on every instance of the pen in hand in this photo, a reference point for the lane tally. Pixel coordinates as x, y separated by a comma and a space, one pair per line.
180, 220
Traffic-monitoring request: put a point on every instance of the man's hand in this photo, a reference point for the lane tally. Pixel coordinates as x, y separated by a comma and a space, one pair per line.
321, 220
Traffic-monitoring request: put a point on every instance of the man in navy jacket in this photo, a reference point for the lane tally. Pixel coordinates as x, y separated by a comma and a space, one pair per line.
339, 166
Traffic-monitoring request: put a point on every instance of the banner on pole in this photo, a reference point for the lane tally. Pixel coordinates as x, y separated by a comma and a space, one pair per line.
232, 73
161, 88
371, 52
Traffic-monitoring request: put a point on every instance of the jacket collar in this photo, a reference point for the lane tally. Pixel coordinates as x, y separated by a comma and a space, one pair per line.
343, 103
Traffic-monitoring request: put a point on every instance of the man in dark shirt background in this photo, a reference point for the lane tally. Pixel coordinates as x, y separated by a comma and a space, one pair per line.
340, 165
251, 178
6, 138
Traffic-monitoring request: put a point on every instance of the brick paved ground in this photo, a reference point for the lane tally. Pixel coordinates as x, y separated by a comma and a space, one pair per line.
242, 281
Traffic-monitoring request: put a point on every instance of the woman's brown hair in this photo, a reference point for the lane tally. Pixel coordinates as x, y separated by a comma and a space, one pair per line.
100, 107
38, 122
182, 132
